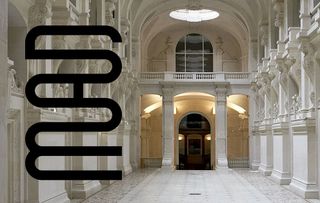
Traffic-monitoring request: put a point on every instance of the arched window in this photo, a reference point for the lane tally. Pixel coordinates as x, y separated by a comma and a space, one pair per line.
194, 53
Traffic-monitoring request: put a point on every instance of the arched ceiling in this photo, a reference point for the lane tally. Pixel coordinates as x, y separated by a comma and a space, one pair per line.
239, 13
239, 18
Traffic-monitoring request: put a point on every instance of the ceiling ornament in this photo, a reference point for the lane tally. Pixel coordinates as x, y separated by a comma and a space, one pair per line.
194, 13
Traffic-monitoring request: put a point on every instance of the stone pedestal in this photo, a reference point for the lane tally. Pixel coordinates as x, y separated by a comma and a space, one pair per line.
112, 160
167, 128
127, 168
135, 143
84, 189
48, 191
119, 141
103, 160
304, 159
266, 149
281, 172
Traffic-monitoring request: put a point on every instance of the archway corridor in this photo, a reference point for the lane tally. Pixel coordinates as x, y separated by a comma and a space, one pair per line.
193, 145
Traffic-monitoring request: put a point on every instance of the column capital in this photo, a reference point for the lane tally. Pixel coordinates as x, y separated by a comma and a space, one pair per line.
167, 94
221, 91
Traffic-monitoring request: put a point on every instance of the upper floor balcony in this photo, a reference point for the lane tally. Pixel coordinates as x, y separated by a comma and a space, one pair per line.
196, 77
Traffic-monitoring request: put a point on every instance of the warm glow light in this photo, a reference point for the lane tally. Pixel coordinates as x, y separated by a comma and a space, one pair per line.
155, 106
180, 137
213, 110
236, 107
208, 137
194, 15
231, 105
146, 116
152, 107
194, 94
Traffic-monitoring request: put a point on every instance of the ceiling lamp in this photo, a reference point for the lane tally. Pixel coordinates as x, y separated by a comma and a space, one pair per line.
194, 15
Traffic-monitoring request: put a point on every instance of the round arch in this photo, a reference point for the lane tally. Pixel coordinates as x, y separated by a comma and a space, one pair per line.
194, 112
184, 159
175, 43
194, 53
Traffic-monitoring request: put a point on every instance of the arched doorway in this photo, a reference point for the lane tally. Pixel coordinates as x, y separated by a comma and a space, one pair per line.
194, 143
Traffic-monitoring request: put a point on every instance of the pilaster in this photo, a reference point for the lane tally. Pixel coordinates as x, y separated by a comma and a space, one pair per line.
82, 189
41, 191
266, 147
281, 172
127, 168
256, 151
217, 62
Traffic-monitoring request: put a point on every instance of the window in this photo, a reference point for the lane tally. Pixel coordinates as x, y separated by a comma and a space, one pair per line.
194, 53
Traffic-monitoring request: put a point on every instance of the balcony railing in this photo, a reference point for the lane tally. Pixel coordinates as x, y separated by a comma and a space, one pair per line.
240, 77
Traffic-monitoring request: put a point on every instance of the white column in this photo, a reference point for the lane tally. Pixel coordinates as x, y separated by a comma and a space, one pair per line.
221, 127
167, 127
127, 168
256, 149
254, 139
266, 149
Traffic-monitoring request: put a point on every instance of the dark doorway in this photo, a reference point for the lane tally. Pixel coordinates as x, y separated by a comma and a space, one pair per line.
194, 143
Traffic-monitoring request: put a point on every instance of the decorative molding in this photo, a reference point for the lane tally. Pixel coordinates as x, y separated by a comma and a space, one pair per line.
309, 55
264, 34
278, 6
167, 94
39, 12
110, 7
15, 86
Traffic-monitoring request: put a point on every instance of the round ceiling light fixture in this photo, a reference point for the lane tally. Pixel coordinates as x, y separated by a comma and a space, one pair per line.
194, 16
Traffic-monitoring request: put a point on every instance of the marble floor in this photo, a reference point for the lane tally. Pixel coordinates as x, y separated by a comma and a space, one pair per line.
164, 185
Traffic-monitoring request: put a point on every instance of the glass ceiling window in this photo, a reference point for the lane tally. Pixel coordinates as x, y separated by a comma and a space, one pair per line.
194, 53
194, 15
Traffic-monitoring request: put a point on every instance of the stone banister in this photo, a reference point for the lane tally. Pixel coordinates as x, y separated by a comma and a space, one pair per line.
232, 77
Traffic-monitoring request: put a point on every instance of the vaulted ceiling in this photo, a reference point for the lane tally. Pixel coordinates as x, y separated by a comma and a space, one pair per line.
237, 16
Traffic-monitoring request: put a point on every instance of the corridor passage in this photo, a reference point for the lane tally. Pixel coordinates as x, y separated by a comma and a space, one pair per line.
160, 185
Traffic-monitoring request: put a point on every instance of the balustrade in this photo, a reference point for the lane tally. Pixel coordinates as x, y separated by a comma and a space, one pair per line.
195, 76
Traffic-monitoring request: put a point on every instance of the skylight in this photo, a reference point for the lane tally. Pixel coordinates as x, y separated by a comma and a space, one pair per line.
194, 16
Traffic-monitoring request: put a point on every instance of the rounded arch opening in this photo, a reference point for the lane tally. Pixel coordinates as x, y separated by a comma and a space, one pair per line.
194, 142
194, 53
238, 131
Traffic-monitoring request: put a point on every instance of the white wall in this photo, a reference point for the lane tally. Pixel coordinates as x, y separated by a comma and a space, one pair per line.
3, 100
156, 48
